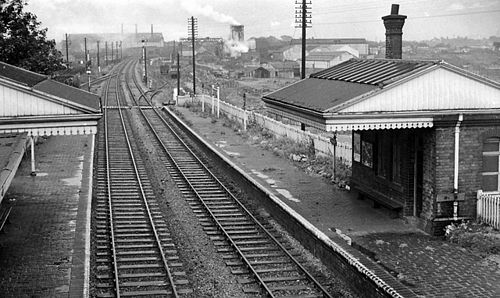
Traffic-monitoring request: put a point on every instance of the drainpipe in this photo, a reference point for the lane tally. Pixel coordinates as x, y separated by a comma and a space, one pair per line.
456, 164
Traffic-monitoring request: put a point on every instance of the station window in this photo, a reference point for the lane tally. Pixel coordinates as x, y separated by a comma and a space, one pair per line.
396, 159
491, 165
367, 153
384, 155
356, 148
389, 156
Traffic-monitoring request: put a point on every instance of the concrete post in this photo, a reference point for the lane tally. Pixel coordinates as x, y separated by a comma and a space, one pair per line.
213, 104
218, 101
32, 143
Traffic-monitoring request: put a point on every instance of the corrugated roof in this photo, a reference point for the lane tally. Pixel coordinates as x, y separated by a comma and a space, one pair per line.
319, 94
19, 75
42, 83
373, 71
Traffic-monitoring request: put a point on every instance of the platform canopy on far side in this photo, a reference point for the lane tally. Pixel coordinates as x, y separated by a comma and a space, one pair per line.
39, 106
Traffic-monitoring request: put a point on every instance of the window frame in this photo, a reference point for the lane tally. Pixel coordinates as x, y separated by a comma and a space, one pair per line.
491, 153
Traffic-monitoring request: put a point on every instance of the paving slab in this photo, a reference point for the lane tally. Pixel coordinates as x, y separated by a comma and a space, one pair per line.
39, 252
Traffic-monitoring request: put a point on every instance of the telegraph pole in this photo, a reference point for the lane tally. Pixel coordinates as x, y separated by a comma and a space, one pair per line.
67, 50
98, 59
106, 53
302, 18
178, 76
121, 50
116, 47
112, 52
193, 28
85, 48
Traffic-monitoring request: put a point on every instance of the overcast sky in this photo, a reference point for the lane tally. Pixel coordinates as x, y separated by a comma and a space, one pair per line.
330, 18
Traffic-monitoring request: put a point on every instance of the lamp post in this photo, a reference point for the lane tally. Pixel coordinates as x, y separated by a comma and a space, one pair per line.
88, 75
145, 74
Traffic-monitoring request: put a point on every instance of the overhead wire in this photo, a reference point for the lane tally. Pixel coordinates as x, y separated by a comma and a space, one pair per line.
417, 17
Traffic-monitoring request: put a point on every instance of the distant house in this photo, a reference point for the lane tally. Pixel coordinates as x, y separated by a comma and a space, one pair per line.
359, 44
336, 48
294, 52
258, 72
262, 72
286, 69
321, 60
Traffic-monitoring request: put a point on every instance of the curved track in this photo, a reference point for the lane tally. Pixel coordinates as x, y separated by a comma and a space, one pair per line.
250, 248
135, 255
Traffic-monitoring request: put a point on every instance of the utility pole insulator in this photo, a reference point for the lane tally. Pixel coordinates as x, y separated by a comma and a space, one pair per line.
304, 8
192, 33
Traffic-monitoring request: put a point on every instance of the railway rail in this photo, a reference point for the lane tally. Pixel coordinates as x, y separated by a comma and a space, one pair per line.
250, 248
135, 255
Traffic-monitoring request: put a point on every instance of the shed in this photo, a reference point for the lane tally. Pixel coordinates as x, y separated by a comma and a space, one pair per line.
261, 72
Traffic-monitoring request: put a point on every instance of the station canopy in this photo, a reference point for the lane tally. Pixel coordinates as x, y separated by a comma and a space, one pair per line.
39, 106
365, 94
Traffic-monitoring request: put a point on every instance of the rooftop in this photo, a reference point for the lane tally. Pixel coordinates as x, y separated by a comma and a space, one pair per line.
41, 83
357, 79
373, 71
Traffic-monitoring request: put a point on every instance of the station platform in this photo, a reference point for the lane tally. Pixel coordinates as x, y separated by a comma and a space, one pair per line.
44, 247
422, 265
12, 148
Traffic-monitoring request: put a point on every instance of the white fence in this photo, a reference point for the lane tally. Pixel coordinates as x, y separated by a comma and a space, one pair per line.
488, 209
322, 145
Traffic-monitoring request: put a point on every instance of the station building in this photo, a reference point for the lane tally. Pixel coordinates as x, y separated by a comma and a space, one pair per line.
426, 134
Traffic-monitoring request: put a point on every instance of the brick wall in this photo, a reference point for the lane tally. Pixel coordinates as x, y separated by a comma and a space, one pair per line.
470, 165
429, 176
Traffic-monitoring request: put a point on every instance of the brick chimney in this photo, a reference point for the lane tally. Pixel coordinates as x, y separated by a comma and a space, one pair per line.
394, 33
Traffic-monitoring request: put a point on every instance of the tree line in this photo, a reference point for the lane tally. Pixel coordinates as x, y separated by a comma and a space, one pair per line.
23, 42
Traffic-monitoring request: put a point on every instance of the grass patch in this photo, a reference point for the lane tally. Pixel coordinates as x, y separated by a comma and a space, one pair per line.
476, 237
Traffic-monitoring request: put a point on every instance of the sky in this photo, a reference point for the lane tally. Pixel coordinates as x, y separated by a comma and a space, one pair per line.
330, 18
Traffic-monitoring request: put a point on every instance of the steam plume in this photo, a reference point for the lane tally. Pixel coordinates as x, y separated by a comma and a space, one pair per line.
208, 11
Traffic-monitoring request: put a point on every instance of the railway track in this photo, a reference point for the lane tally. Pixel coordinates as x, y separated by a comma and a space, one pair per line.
135, 255
264, 265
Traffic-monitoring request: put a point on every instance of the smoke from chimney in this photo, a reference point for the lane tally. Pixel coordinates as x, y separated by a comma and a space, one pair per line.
237, 32
208, 11
236, 43
394, 33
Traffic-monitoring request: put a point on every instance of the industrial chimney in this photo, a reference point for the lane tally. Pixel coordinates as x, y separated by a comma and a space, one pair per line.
394, 33
151, 30
237, 33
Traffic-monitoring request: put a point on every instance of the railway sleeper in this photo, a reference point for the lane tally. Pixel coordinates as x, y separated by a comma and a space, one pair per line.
160, 293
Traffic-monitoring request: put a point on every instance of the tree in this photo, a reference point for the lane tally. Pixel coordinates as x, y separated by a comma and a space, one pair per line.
23, 43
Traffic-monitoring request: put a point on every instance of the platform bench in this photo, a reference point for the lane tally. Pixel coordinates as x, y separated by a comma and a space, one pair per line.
379, 199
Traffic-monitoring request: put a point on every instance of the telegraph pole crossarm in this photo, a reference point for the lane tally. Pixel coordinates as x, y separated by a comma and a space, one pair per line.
192, 32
